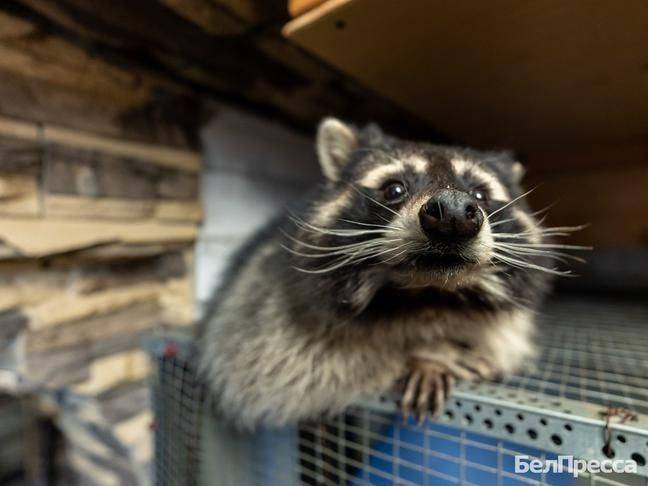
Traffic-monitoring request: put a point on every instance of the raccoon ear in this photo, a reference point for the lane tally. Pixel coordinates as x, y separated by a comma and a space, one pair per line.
335, 142
517, 170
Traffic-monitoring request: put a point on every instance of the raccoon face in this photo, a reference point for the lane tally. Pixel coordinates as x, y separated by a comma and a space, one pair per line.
417, 215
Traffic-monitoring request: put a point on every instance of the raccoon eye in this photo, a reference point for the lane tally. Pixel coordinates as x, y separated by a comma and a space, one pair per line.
394, 191
480, 194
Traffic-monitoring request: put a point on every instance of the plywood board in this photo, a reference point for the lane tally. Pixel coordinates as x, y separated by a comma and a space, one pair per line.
169, 157
83, 333
525, 75
110, 371
75, 207
19, 194
36, 238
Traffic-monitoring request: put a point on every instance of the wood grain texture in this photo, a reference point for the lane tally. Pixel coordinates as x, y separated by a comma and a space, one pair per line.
165, 70
38, 238
50, 78
20, 170
300, 7
137, 317
497, 74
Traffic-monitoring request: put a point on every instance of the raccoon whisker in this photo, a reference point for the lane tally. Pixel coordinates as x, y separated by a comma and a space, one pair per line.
527, 235
345, 261
351, 250
376, 242
550, 231
374, 255
373, 200
324, 270
556, 246
396, 255
513, 201
501, 221
313, 255
522, 252
569, 229
514, 262
373, 241
407, 247
536, 213
306, 226
543, 250
370, 224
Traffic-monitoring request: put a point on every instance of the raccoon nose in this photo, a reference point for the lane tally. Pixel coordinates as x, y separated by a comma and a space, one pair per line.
451, 215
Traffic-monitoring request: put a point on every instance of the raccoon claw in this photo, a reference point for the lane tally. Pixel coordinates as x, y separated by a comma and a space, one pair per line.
426, 389
475, 367
466, 368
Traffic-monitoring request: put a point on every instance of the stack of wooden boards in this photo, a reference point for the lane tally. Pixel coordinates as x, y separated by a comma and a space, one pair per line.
96, 241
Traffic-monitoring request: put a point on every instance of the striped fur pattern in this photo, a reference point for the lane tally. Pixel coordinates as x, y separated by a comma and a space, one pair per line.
332, 301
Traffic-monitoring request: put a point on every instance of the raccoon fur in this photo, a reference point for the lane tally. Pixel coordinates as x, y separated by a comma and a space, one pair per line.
413, 265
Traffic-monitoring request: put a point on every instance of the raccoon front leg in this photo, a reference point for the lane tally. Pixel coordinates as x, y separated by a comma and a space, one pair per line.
432, 375
426, 389
461, 362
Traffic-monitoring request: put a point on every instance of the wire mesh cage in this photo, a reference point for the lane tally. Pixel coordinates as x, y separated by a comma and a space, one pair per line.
586, 397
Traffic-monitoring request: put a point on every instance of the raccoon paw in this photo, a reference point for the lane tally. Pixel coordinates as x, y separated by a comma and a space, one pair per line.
473, 368
463, 366
425, 390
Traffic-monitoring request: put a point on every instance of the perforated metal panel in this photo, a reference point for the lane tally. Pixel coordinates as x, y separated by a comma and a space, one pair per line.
587, 396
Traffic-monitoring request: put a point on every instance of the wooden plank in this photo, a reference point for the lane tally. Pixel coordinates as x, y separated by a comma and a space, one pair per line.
113, 370
165, 156
136, 433
74, 207
123, 252
161, 120
37, 238
193, 64
30, 285
178, 211
300, 7
14, 128
80, 334
125, 400
20, 170
64, 206
73, 306
71, 170
526, 75
57, 368
47, 78
177, 185
19, 195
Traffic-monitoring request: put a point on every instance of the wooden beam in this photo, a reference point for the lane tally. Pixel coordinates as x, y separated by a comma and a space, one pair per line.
168, 157
37, 238
503, 73
182, 51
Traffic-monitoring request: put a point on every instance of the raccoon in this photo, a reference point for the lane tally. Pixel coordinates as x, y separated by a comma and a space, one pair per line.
412, 266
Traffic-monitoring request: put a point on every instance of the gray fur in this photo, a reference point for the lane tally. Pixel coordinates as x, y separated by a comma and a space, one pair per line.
283, 343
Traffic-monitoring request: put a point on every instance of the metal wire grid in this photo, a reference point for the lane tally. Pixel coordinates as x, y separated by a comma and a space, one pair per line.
592, 351
593, 357
178, 398
366, 447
